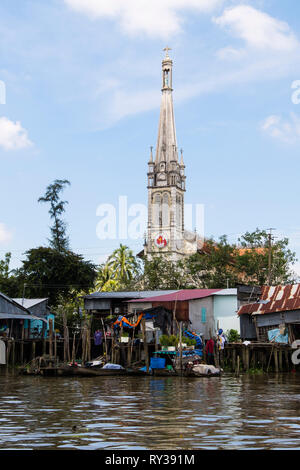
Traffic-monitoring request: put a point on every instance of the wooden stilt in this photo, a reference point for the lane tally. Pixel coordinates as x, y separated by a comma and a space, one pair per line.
280, 359
13, 353
50, 339
73, 349
276, 359
233, 358
129, 352
33, 349
8, 347
238, 366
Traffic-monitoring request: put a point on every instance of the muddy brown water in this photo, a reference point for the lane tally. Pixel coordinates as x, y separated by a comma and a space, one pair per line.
249, 412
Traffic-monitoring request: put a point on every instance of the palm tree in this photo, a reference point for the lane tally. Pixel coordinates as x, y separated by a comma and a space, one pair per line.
123, 264
105, 279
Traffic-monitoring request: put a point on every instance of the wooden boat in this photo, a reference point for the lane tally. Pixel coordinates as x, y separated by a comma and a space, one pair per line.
74, 371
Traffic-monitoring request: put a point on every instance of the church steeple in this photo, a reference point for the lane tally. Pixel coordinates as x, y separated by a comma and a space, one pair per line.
166, 235
166, 149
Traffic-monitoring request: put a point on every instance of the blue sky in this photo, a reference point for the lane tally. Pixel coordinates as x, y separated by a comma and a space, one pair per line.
83, 81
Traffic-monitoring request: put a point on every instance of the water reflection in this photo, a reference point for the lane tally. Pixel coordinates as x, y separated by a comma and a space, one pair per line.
150, 413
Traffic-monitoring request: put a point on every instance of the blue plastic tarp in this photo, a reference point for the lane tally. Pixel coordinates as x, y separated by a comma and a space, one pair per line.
112, 366
275, 336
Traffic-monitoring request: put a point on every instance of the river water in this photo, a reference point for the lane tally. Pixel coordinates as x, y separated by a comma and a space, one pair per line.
249, 412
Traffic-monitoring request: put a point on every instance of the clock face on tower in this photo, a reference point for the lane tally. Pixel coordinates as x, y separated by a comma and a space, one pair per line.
161, 241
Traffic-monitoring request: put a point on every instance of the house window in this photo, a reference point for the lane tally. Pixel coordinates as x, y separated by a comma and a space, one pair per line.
203, 315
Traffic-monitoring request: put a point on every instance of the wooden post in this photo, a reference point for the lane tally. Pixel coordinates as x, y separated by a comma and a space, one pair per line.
83, 345
276, 359
180, 346
22, 345
13, 353
247, 356
73, 349
7, 352
104, 336
33, 349
129, 352
238, 366
89, 339
233, 358
286, 357
50, 337
145, 342
280, 359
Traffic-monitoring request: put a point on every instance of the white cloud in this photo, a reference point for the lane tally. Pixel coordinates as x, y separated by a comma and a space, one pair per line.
285, 130
258, 29
161, 18
12, 135
230, 53
5, 234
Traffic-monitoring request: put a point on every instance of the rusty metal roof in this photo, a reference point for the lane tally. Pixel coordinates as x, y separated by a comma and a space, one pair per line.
274, 299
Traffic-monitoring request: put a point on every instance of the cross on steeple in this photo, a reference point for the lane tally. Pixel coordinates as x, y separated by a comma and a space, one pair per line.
167, 49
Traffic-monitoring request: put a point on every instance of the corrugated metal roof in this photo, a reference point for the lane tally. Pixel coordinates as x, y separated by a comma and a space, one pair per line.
274, 299
8, 305
127, 295
181, 295
28, 303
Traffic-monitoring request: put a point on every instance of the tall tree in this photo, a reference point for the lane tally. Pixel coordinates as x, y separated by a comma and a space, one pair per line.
59, 240
106, 280
53, 274
9, 284
123, 264
253, 259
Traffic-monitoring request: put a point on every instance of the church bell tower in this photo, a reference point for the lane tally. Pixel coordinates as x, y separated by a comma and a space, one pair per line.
166, 181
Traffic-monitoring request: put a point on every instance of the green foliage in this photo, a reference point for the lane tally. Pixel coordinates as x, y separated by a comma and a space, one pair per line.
118, 272
166, 340
9, 284
255, 258
59, 241
189, 341
53, 274
73, 308
221, 264
232, 336
162, 273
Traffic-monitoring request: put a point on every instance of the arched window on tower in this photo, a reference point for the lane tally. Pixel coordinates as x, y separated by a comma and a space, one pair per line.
165, 211
156, 209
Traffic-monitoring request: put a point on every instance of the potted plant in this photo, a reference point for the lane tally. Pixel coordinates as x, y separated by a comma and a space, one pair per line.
173, 341
164, 342
191, 343
124, 337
